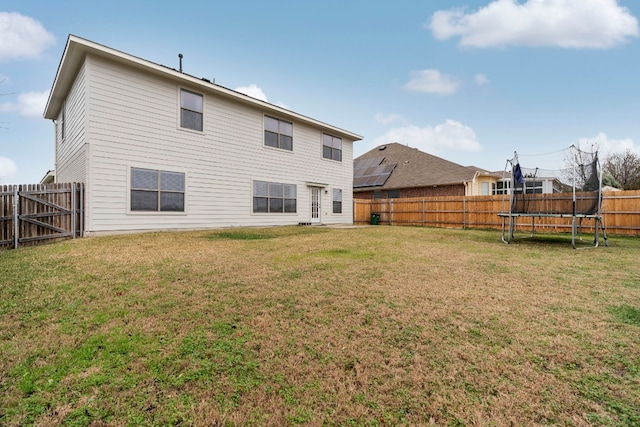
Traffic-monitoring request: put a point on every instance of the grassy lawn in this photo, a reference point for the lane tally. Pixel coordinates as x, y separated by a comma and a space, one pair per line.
320, 326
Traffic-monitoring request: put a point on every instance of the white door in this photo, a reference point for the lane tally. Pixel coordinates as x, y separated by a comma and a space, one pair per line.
315, 205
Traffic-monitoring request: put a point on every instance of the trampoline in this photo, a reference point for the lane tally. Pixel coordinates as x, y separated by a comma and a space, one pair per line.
572, 190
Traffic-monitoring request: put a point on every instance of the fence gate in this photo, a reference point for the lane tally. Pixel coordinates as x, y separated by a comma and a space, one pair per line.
35, 213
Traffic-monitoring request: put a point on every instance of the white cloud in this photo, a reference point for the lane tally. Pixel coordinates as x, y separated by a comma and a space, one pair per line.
448, 136
606, 145
7, 169
22, 36
432, 81
387, 119
557, 23
30, 104
253, 91
283, 105
481, 79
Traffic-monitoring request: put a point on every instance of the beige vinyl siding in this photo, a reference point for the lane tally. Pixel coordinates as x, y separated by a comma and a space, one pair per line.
476, 185
71, 163
134, 123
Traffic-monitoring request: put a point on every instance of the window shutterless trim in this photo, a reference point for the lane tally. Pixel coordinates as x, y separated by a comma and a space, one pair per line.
337, 201
274, 197
331, 147
156, 191
278, 133
191, 109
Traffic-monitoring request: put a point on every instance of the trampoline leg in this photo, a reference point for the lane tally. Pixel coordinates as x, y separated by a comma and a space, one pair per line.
580, 229
604, 232
533, 224
503, 225
573, 231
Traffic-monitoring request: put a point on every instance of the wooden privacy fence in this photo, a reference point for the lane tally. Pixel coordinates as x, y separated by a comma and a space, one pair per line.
31, 214
620, 213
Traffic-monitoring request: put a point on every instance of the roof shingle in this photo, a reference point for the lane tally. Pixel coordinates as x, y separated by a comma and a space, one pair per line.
416, 168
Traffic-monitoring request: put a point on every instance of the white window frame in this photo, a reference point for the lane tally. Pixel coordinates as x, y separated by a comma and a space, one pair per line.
180, 109
270, 195
331, 147
158, 190
281, 125
337, 201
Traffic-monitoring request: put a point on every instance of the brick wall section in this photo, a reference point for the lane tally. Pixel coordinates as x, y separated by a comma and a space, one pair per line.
441, 190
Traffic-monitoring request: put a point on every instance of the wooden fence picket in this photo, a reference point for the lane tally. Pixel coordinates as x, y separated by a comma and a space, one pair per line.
620, 213
31, 214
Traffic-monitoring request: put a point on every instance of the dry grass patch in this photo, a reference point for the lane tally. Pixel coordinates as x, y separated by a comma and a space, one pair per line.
297, 325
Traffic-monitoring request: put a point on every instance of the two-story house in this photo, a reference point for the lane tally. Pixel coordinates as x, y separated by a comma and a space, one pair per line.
159, 149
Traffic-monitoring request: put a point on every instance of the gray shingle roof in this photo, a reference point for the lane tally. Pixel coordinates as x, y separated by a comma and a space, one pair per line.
415, 168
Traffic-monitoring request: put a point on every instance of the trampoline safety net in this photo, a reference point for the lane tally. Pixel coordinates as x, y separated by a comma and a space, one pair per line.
561, 188
529, 195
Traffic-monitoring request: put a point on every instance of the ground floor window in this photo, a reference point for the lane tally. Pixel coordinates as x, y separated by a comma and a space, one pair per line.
393, 194
274, 197
157, 190
337, 201
500, 187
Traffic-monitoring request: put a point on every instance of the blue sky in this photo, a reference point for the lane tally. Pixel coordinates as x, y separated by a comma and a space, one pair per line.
471, 81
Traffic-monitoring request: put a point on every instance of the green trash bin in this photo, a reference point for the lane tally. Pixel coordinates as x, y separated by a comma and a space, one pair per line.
375, 218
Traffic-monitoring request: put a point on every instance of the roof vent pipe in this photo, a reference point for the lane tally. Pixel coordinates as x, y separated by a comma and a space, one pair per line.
180, 56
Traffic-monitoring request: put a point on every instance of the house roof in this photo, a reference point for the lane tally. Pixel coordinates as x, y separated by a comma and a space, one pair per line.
78, 48
413, 168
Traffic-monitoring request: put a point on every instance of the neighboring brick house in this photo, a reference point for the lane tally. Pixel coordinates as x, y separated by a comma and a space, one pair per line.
395, 170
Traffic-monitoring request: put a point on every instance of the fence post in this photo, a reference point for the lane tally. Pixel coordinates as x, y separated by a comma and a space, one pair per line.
81, 209
73, 209
464, 212
16, 217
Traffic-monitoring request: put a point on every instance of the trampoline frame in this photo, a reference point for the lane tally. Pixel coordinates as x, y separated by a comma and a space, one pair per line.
509, 219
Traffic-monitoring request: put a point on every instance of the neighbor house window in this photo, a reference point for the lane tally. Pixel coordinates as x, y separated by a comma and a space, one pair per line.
274, 197
377, 194
393, 194
485, 188
157, 191
533, 187
278, 133
337, 201
191, 110
530, 187
501, 187
331, 147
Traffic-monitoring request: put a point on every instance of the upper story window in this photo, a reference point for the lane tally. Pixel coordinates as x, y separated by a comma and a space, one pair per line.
331, 147
157, 191
191, 110
60, 123
278, 133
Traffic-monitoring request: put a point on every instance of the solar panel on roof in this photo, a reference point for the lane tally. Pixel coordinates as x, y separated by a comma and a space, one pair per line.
359, 182
382, 179
367, 163
372, 173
